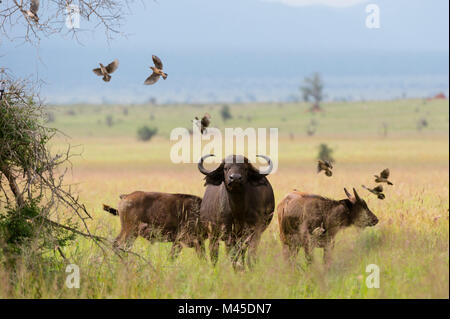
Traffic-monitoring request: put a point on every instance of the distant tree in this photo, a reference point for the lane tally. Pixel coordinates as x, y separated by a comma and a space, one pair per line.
109, 120
225, 113
146, 133
325, 153
312, 89
422, 123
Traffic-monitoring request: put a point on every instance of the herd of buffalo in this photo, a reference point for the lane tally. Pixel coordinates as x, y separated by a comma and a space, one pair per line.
238, 205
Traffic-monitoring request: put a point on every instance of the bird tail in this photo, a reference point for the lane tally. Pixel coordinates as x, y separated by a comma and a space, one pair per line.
110, 210
107, 78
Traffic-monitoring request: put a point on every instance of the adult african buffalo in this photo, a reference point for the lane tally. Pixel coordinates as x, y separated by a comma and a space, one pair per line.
160, 217
237, 207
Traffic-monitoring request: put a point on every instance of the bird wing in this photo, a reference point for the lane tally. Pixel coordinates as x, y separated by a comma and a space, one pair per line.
152, 79
319, 166
385, 173
110, 68
98, 71
378, 189
367, 188
157, 62
34, 6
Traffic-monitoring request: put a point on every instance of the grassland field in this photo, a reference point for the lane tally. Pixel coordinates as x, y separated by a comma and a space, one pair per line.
410, 244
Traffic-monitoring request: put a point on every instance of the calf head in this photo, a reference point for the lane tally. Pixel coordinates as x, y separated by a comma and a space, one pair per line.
360, 214
235, 171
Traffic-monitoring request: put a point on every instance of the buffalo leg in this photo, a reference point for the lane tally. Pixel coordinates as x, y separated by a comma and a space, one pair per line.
175, 250
214, 249
252, 247
237, 253
199, 246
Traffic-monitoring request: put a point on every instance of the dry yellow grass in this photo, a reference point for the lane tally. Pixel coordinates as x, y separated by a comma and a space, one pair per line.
410, 244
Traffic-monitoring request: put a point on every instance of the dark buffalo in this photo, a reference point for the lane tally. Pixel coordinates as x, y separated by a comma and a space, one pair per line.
309, 221
160, 217
237, 206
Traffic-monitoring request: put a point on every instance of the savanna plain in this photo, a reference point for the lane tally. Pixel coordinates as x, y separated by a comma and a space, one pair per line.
410, 244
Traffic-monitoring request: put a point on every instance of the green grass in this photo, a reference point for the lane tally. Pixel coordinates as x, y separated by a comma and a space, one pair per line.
410, 244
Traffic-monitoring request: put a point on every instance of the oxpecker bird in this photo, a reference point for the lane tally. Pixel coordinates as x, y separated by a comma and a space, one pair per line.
157, 71
106, 71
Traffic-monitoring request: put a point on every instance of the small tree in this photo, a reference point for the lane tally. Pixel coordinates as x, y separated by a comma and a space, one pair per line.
313, 90
225, 113
146, 133
32, 188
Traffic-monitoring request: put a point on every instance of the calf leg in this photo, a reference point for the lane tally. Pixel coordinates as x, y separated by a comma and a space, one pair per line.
327, 251
125, 239
309, 249
290, 252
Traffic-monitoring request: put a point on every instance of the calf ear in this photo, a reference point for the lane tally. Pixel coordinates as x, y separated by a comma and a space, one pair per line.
216, 177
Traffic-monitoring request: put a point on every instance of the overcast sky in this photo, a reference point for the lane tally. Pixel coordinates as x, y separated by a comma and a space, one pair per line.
248, 37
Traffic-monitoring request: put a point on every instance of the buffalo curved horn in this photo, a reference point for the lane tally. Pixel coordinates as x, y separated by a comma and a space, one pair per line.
349, 196
356, 195
200, 164
269, 161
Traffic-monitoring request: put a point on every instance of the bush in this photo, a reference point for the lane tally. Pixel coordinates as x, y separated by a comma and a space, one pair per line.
20, 226
225, 113
146, 133
32, 186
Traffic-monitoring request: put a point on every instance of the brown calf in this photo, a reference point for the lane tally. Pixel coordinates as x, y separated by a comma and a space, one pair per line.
309, 221
160, 217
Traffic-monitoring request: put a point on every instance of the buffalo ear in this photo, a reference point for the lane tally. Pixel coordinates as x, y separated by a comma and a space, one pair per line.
254, 176
216, 177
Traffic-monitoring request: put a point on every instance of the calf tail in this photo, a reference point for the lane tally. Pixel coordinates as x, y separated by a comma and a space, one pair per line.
110, 210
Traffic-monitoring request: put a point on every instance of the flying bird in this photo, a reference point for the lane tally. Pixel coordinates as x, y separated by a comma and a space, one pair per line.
32, 13
157, 71
106, 71
383, 178
376, 190
326, 166
203, 123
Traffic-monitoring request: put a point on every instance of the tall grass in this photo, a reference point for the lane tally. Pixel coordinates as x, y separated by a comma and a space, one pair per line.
410, 244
